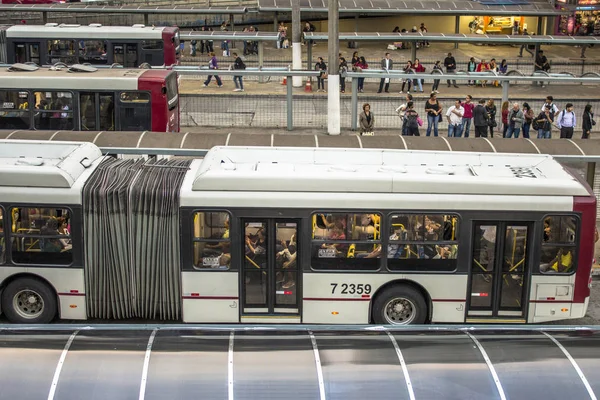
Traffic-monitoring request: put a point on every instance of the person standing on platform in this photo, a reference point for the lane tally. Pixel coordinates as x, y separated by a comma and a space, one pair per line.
238, 64
436, 82
468, 115
480, 119
566, 122
387, 64
515, 121
322, 68
450, 64
588, 121
366, 120
212, 64
454, 116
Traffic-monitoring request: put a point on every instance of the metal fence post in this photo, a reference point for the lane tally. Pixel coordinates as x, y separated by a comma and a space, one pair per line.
354, 104
308, 54
505, 86
290, 108
261, 59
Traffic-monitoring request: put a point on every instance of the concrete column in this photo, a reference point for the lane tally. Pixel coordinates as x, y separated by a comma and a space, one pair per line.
276, 25
45, 17
356, 29
290, 105
296, 41
146, 20
354, 103
505, 87
413, 51
333, 77
232, 29
261, 59
456, 28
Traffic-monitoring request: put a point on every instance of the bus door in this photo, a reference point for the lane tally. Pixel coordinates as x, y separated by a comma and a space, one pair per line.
27, 52
96, 111
126, 54
499, 272
269, 274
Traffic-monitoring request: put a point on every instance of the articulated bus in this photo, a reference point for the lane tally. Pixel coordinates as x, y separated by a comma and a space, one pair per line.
292, 235
129, 46
84, 98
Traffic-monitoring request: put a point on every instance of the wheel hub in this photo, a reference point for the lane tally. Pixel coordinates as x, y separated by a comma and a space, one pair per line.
28, 304
400, 311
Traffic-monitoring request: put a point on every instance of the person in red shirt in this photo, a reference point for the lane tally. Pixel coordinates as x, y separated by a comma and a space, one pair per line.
483, 67
467, 116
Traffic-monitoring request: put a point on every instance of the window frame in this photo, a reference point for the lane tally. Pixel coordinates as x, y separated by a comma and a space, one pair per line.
70, 112
194, 239
24, 114
456, 242
379, 241
574, 245
12, 235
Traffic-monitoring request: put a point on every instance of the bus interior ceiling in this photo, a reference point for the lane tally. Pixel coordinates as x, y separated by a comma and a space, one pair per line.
314, 362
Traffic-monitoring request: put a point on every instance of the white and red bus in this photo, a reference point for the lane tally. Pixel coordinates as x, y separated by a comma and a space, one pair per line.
88, 100
293, 235
129, 46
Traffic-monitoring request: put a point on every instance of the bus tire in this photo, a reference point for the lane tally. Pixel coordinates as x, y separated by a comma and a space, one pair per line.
400, 305
29, 301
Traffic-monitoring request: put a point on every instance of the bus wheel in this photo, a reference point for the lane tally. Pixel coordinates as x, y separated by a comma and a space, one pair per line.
400, 305
28, 301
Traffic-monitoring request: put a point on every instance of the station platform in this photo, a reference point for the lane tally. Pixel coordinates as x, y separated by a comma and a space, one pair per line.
298, 362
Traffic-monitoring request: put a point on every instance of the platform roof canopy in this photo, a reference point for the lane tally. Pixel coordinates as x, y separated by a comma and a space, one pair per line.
442, 7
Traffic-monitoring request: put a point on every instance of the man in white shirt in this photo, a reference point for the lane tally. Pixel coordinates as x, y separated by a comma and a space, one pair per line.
454, 116
400, 110
553, 107
387, 64
566, 122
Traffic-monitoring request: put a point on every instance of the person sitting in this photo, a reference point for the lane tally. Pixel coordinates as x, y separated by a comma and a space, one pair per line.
559, 264
51, 245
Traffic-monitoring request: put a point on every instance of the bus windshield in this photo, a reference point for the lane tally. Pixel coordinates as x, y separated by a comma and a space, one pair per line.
172, 93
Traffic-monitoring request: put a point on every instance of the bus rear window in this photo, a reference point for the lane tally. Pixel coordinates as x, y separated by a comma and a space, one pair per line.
172, 91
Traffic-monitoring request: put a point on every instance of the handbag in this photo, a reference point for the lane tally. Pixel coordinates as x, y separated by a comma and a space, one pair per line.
419, 121
440, 119
492, 123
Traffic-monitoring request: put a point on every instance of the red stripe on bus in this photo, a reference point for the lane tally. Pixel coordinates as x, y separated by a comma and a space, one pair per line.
336, 299
449, 300
550, 301
71, 294
209, 297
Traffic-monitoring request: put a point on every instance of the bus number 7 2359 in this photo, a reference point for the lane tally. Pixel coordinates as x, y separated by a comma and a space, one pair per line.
351, 288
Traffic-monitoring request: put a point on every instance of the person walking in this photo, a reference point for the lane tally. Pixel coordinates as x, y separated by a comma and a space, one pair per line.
543, 124
490, 108
436, 82
468, 115
366, 120
434, 109
480, 119
343, 68
322, 68
213, 65
524, 46
588, 122
515, 121
408, 69
387, 64
504, 113
238, 64
450, 64
454, 116
412, 120
566, 122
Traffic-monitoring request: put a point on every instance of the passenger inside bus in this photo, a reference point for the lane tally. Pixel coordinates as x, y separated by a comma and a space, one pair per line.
561, 263
211, 240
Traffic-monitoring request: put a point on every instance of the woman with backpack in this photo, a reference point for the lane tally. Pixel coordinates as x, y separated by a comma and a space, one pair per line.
238, 64
412, 119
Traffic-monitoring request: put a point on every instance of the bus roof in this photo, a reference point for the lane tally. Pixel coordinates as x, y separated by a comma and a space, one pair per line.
45, 164
92, 31
62, 79
382, 171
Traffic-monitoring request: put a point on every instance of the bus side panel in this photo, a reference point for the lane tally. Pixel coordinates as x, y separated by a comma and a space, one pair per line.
168, 36
551, 298
210, 296
326, 297
154, 82
586, 205
68, 283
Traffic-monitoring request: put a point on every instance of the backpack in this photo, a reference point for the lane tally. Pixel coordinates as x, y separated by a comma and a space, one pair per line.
240, 64
562, 115
411, 120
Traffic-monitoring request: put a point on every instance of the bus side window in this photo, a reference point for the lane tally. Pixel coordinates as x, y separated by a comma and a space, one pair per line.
211, 240
135, 111
41, 236
559, 244
419, 242
15, 112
